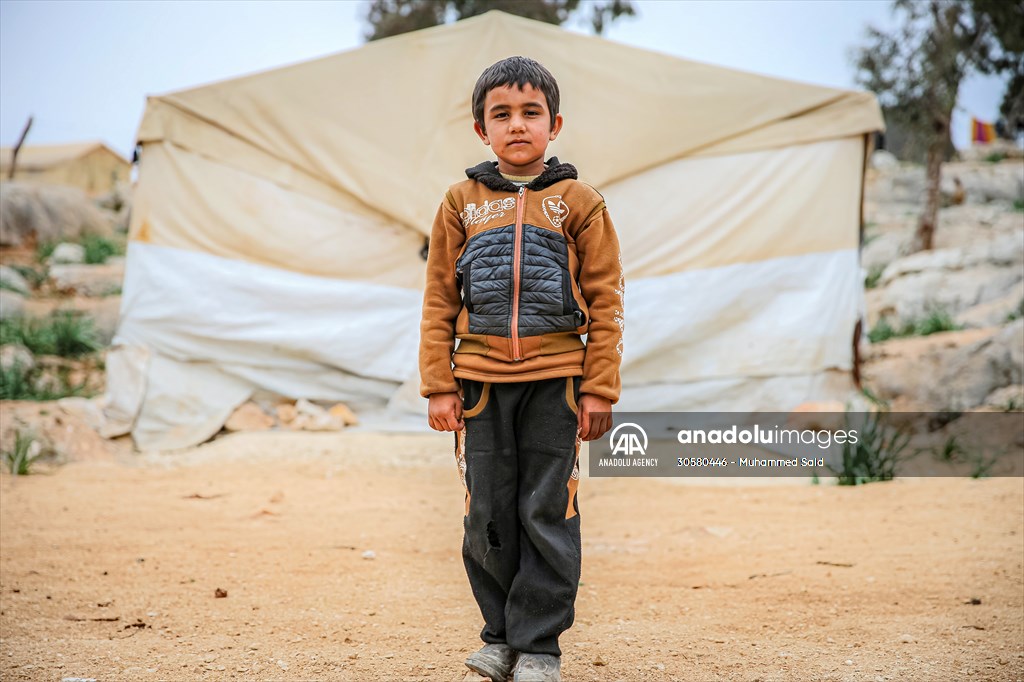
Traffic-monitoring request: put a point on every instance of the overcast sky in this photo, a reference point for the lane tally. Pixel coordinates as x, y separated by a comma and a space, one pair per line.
84, 68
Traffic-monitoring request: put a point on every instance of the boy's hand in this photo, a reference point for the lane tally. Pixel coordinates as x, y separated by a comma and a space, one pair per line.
592, 425
445, 412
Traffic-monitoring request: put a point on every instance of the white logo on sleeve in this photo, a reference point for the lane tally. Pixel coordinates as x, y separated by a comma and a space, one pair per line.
555, 210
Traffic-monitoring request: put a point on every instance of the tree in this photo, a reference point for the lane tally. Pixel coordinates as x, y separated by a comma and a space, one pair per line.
916, 72
392, 17
1007, 20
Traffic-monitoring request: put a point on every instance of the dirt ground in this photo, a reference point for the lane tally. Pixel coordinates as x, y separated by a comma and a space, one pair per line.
339, 557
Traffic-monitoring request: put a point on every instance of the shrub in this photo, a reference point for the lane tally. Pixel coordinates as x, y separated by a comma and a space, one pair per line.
17, 384
65, 333
880, 447
20, 459
873, 276
99, 249
937, 319
44, 250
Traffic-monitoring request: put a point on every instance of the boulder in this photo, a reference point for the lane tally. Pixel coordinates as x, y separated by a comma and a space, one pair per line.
312, 417
11, 279
249, 417
911, 297
1010, 398
343, 413
15, 355
986, 182
905, 371
881, 159
67, 253
12, 304
88, 280
996, 312
286, 413
975, 371
33, 213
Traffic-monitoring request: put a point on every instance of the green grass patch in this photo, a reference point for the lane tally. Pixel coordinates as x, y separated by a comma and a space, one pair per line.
99, 249
1018, 204
936, 319
20, 458
17, 384
996, 157
65, 333
873, 276
879, 449
44, 250
34, 276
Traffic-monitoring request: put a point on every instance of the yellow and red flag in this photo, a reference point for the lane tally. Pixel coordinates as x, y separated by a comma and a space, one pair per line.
981, 132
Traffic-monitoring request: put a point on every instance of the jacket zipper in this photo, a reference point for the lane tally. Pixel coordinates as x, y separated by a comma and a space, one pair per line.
517, 351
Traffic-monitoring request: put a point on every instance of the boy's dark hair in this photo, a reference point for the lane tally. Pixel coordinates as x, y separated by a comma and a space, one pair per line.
518, 71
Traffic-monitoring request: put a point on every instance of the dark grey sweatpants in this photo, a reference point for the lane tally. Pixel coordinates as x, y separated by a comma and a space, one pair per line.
519, 459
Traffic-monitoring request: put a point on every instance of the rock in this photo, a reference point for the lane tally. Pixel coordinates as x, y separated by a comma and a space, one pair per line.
12, 279
41, 213
882, 159
11, 304
67, 253
15, 355
286, 413
885, 248
369, 554
1000, 250
974, 372
907, 639
912, 296
312, 417
342, 412
1009, 398
906, 369
87, 280
996, 312
249, 417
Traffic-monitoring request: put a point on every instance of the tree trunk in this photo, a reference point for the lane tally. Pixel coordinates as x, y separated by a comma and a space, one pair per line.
925, 233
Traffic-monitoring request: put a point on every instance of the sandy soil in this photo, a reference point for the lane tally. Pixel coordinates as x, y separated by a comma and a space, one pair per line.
109, 569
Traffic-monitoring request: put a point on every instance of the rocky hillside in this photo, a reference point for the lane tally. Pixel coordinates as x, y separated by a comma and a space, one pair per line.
946, 325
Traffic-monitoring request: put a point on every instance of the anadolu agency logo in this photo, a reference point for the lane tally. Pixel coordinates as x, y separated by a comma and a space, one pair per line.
628, 440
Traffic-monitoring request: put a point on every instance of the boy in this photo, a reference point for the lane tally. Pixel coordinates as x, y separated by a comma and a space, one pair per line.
523, 260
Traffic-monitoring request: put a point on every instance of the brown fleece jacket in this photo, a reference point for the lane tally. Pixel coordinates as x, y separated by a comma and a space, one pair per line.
546, 269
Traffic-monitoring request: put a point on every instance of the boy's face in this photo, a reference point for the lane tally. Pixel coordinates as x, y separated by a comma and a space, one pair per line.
517, 126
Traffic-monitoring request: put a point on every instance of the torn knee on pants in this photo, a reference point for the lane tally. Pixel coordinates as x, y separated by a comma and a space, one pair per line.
493, 542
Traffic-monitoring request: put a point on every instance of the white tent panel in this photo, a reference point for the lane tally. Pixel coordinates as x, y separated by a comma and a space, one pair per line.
187, 201
782, 316
195, 307
713, 211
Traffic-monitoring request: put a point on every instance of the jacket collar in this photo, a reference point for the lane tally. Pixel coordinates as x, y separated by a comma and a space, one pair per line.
487, 174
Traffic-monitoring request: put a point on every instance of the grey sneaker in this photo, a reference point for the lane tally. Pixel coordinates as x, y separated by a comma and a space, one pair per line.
493, 661
538, 668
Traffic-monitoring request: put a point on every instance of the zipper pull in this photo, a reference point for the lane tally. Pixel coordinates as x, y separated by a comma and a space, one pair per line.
522, 191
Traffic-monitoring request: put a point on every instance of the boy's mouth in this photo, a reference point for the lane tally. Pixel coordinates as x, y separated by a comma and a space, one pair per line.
517, 142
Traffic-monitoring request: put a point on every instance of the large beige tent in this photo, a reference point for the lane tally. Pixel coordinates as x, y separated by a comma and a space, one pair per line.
279, 218
90, 166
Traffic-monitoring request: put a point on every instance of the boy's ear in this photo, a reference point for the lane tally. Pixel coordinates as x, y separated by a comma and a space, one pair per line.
557, 128
481, 133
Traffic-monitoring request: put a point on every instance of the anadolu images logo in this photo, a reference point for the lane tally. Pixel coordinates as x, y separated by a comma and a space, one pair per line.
628, 439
